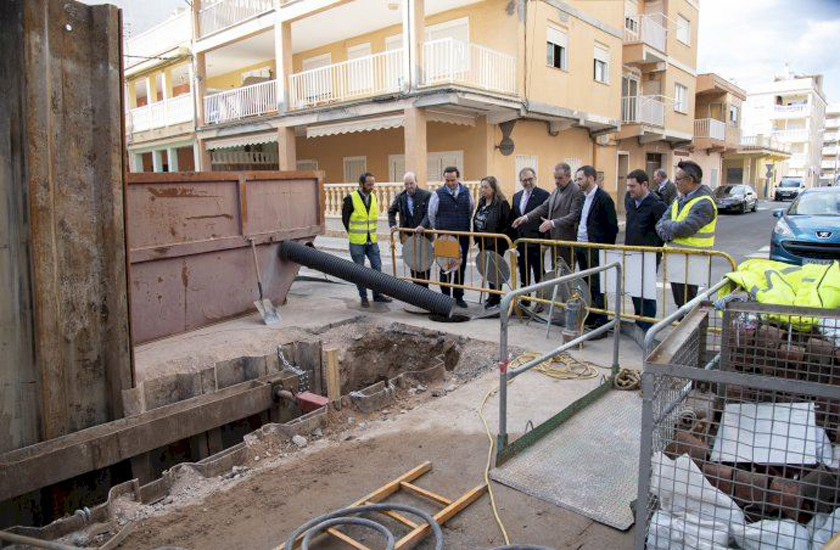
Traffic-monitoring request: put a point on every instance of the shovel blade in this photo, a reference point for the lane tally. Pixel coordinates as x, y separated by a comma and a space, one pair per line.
269, 314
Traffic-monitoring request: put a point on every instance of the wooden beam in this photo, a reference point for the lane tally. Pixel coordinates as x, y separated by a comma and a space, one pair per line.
333, 378
421, 492
442, 517
347, 538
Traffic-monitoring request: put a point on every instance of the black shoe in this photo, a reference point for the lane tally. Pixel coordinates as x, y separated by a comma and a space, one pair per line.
382, 299
365, 302
491, 305
461, 303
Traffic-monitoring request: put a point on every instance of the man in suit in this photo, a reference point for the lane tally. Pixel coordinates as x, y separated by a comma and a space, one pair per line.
559, 214
450, 209
412, 205
525, 201
598, 224
644, 209
665, 188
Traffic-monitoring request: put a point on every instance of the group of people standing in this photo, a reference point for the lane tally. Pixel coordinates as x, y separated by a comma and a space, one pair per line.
680, 214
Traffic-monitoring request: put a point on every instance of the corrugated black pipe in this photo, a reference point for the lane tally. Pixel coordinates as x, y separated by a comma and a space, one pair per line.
409, 293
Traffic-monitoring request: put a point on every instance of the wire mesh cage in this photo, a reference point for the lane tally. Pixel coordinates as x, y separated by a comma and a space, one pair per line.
740, 446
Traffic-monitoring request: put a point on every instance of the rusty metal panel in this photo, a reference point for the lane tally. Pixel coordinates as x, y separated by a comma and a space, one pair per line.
61, 145
191, 262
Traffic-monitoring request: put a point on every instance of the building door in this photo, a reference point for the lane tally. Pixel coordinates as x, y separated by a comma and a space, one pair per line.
629, 98
734, 175
623, 169
653, 163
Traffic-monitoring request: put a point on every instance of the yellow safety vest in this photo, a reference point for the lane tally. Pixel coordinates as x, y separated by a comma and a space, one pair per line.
363, 222
705, 237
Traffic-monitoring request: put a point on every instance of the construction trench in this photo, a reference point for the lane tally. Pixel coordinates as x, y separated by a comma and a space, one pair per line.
145, 404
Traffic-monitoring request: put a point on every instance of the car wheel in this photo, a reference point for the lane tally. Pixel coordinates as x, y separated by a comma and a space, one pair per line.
776, 198
743, 208
755, 206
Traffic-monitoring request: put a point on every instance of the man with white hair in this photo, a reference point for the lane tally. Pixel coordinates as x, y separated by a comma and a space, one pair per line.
665, 188
412, 205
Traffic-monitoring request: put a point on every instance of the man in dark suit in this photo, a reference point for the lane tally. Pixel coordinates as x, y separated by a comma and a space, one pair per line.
598, 224
531, 196
412, 205
644, 208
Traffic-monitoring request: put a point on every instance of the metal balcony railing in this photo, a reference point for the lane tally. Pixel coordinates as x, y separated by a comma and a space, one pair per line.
649, 28
643, 109
247, 101
710, 128
456, 62
227, 13
372, 75
175, 110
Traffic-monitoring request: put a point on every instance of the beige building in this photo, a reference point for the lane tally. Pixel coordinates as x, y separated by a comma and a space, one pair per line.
831, 145
791, 109
717, 125
347, 86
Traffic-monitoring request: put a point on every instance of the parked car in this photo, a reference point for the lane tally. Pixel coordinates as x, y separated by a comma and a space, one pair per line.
808, 231
736, 197
789, 188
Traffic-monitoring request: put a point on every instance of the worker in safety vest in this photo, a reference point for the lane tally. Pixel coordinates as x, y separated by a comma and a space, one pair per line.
360, 215
690, 220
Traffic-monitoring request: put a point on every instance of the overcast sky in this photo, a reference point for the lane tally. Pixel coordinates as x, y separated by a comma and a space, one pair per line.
747, 41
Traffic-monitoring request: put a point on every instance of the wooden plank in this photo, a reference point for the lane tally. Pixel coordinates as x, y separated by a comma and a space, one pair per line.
442, 517
399, 517
424, 493
333, 378
347, 538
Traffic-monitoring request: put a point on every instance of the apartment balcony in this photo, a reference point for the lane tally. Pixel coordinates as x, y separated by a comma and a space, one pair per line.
830, 164
832, 123
710, 128
645, 109
831, 151
240, 103
799, 110
792, 136
645, 38
446, 62
162, 114
372, 75
450, 61
172, 33
763, 143
224, 14
831, 138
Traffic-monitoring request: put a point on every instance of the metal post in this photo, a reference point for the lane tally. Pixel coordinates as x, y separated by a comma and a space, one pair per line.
551, 311
617, 328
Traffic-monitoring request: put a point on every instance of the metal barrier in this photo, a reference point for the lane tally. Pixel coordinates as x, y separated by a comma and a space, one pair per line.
505, 451
445, 248
642, 263
740, 434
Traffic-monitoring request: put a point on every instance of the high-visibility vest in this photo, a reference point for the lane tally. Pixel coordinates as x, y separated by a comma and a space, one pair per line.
363, 222
705, 237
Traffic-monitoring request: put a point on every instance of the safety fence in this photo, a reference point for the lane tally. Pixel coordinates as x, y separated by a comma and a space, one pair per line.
655, 280
740, 415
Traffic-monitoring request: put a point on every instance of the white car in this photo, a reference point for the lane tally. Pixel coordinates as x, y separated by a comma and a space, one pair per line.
789, 188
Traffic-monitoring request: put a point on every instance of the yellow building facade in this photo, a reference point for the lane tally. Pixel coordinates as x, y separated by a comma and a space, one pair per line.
347, 86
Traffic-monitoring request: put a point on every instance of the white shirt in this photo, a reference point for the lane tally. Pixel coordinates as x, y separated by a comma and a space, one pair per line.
583, 235
523, 202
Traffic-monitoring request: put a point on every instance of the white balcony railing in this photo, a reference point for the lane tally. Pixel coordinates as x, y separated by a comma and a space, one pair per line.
450, 61
830, 164
647, 29
764, 142
227, 13
792, 135
797, 108
830, 151
831, 137
643, 109
384, 191
247, 101
710, 128
376, 74
175, 110
159, 39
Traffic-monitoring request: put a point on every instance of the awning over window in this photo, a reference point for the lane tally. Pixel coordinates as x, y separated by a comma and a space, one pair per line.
384, 123
241, 140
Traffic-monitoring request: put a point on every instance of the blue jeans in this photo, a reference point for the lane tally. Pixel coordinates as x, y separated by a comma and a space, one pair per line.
358, 253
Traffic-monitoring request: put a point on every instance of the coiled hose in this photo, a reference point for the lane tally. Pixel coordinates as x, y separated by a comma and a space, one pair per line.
345, 516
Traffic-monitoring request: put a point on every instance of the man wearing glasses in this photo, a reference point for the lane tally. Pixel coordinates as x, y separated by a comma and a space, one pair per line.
524, 202
690, 220
560, 214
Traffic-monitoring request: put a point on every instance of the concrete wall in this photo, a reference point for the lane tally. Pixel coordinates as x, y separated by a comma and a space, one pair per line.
712, 165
